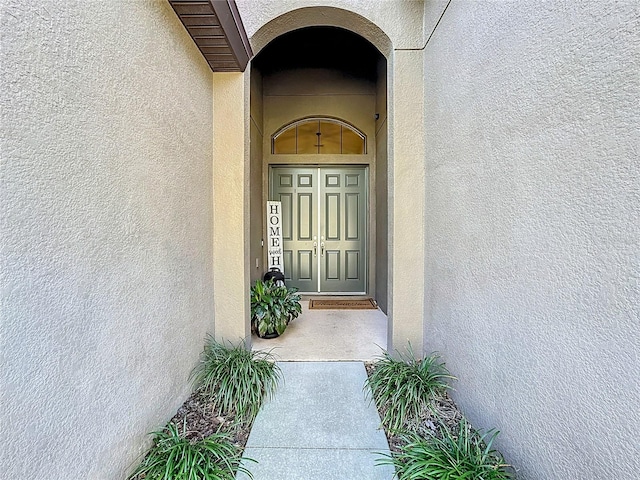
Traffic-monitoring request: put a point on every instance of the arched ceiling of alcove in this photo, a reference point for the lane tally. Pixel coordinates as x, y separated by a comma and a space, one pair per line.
320, 47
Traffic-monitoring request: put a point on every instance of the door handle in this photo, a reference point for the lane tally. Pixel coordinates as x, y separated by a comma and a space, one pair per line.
315, 249
322, 249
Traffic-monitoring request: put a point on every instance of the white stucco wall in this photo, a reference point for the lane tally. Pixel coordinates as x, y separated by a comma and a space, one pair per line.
106, 231
532, 235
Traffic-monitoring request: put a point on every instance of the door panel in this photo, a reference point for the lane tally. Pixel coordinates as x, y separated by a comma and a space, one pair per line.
296, 188
332, 216
324, 227
305, 216
352, 264
342, 227
352, 216
287, 212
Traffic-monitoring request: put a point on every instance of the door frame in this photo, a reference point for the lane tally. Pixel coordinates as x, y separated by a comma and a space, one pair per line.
367, 263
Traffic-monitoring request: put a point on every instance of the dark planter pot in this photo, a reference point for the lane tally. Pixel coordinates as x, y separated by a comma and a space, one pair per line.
269, 335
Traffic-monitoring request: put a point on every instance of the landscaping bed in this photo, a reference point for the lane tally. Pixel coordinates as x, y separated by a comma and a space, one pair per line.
443, 413
202, 418
429, 438
206, 437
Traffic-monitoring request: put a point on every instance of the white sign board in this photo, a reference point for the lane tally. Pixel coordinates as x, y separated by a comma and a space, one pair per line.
274, 236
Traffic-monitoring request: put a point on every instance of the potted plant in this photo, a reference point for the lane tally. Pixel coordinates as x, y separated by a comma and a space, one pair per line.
272, 308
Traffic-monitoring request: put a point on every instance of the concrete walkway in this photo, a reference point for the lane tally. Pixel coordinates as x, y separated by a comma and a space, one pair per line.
319, 426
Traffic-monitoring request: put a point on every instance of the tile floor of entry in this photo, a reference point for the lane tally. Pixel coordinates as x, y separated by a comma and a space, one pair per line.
329, 335
319, 426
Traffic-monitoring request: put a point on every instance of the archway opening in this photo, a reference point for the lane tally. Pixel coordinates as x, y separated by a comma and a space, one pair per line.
325, 73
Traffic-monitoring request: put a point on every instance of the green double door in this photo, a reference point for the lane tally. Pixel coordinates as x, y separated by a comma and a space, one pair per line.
324, 227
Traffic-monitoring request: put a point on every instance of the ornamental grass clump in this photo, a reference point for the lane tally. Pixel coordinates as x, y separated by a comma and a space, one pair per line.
468, 455
175, 457
403, 387
236, 379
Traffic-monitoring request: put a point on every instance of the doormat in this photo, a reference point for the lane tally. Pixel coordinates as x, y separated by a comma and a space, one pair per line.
343, 304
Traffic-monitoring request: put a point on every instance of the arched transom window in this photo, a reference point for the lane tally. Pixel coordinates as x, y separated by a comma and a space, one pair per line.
319, 136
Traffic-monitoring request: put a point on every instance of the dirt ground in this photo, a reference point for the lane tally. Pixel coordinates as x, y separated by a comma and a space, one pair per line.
202, 420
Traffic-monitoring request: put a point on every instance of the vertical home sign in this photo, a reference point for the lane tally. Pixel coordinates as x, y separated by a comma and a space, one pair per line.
274, 236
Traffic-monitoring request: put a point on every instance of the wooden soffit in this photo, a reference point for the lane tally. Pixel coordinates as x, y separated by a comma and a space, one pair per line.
216, 28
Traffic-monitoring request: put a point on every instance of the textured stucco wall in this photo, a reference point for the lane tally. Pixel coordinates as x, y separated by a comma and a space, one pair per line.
382, 172
407, 203
400, 20
106, 231
533, 194
231, 205
257, 209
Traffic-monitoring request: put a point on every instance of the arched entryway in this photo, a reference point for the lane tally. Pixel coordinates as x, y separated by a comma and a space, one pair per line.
319, 145
396, 210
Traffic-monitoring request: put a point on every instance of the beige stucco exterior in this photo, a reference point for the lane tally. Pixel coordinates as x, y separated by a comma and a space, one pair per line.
531, 229
504, 180
107, 211
406, 204
231, 207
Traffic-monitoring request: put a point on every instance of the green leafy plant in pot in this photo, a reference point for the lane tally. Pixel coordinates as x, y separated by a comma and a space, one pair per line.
273, 306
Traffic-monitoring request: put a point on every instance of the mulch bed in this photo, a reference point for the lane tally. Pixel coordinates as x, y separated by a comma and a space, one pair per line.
197, 419
203, 420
